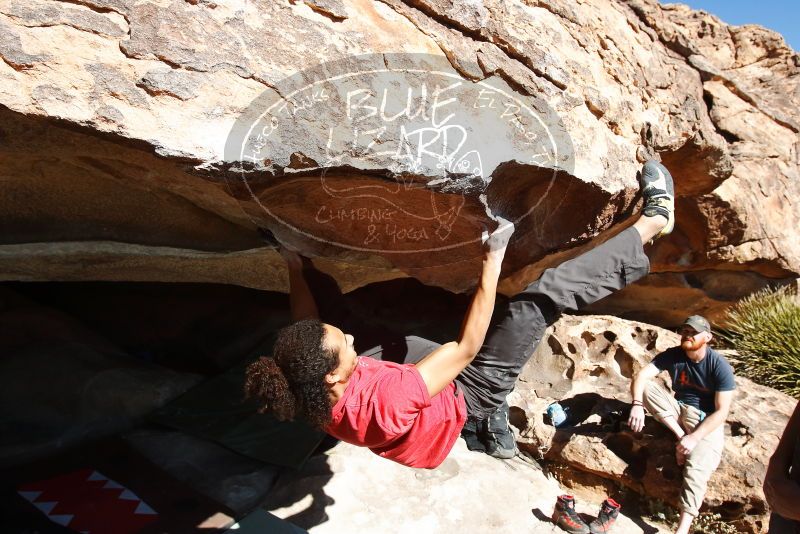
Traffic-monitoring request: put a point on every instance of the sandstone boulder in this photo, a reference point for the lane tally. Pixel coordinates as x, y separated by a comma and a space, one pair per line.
350, 488
124, 134
237, 482
64, 383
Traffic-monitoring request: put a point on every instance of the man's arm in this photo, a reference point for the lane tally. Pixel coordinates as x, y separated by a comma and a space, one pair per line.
640, 381
301, 301
441, 366
783, 494
722, 401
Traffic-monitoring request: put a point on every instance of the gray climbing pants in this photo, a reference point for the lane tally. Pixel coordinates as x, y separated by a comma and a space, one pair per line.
519, 323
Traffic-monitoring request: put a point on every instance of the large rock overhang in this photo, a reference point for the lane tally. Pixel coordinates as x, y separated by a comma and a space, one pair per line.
115, 123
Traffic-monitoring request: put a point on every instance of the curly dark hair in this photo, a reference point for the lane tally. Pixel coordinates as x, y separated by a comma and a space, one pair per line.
291, 384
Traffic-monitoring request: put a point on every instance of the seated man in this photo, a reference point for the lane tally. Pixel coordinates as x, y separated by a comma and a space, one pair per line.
703, 382
412, 413
782, 483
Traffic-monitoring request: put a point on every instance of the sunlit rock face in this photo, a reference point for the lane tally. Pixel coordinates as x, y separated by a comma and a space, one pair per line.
145, 141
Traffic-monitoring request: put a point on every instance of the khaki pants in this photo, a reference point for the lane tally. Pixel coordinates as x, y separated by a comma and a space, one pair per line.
703, 460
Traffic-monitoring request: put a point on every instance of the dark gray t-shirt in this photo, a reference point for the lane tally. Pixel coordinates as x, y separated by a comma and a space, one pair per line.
696, 383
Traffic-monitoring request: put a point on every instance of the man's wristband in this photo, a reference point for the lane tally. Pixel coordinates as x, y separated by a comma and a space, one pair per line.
637, 403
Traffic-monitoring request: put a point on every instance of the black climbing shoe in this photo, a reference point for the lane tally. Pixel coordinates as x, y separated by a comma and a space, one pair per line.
499, 438
470, 433
491, 435
609, 511
658, 192
567, 518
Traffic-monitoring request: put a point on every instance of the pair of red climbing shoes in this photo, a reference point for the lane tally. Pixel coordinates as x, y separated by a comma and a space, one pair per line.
568, 519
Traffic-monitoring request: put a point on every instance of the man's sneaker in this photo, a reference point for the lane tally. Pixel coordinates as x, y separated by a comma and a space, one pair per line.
471, 434
567, 518
491, 435
658, 192
609, 511
499, 438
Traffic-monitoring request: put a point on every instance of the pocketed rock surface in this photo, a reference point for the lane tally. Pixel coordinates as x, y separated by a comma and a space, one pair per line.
586, 363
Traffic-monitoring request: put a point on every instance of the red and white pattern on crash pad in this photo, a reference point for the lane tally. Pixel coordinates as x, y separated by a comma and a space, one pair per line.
87, 501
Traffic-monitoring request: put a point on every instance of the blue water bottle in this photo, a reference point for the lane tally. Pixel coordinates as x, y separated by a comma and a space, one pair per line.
556, 414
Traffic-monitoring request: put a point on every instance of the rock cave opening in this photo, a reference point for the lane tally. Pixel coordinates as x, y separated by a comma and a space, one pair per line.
85, 361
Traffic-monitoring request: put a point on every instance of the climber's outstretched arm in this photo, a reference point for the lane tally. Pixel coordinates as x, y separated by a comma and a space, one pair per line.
301, 300
440, 367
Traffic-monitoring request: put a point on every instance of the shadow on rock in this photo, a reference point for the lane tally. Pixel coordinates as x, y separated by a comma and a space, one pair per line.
299, 494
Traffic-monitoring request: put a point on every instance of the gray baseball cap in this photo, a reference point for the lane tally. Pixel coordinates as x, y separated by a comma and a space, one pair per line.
698, 322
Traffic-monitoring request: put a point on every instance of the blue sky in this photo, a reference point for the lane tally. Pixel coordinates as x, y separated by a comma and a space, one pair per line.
782, 16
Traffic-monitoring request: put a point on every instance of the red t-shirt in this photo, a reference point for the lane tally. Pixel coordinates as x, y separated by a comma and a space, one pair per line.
386, 407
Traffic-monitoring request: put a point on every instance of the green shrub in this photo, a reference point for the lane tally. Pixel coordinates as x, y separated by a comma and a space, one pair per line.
764, 328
